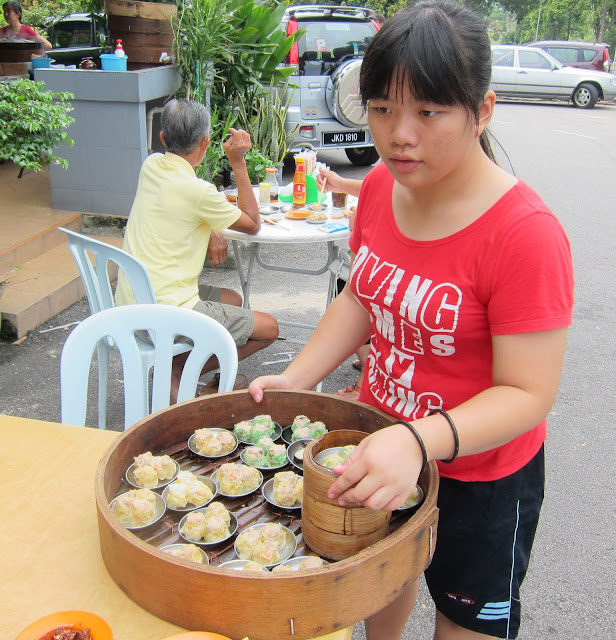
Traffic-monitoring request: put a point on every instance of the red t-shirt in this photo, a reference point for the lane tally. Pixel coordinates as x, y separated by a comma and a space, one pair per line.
435, 305
25, 33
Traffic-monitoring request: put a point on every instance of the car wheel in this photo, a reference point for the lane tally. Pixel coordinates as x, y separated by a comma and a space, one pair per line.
585, 96
362, 156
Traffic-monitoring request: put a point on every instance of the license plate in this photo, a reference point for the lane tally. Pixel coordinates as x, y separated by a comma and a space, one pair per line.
344, 137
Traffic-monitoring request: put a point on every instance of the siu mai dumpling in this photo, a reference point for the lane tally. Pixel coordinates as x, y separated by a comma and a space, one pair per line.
145, 477
218, 509
177, 495
216, 529
311, 562
165, 467
300, 421
199, 493
194, 526
187, 552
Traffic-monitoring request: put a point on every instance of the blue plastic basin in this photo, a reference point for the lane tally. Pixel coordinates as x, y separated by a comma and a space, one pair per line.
111, 62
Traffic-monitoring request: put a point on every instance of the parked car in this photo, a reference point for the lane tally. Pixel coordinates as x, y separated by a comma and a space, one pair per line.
78, 36
326, 111
530, 72
585, 55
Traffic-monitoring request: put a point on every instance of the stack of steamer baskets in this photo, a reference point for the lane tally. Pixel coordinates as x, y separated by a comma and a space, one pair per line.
372, 555
15, 57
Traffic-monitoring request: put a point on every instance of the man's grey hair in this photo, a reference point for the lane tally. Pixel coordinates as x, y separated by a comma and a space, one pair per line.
184, 124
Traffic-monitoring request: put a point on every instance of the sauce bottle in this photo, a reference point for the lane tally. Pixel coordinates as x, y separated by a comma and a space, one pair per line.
119, 51
273, 182
299, 183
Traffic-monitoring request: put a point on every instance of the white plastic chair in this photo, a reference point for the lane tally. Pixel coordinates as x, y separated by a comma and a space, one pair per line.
96, 281
165, 324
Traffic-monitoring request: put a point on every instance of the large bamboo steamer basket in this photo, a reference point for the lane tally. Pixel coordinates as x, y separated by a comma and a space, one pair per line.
263, 607
330, 530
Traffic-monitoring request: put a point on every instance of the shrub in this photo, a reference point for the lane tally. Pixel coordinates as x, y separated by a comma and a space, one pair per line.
32, 123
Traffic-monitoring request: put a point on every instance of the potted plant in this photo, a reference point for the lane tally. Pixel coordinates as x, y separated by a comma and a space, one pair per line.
32, 122
228, 54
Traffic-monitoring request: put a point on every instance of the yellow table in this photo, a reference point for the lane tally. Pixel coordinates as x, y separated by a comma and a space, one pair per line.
49, 543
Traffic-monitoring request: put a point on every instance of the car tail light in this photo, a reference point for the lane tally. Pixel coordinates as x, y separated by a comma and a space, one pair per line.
306, 132
293, 55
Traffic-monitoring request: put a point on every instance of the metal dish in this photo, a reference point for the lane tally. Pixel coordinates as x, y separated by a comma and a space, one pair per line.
203, 543
159, 509
280, 466
287, 550
294, 563
274, 436
171, 547
413, 504
293, 449
130, 478
267, 209
287, 435
268, 493
235, 495
193, 447
320, 457
238, 565
208, 481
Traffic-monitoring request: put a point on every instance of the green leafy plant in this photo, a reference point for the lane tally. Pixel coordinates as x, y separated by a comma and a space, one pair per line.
228, 53
32, 123
265, 119
256, 163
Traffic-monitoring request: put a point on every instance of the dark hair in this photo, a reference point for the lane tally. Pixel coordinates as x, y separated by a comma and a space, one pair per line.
184, 123
13, 6
437, 48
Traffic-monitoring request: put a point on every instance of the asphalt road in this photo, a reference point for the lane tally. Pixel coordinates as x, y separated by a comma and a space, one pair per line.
569, 157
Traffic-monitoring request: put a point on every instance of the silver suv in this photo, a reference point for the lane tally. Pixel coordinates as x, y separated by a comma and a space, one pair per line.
326, 111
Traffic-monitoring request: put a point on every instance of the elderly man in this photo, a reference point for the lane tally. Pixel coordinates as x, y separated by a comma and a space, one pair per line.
172, 219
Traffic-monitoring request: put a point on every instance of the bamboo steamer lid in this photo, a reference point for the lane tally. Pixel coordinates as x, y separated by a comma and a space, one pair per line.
330, 530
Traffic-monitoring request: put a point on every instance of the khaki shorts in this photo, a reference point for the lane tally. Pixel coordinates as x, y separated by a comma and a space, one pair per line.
239, 322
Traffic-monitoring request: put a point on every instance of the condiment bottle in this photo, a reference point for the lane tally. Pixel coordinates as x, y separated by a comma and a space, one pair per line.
299, 183
273, 182
264, 192
119, 50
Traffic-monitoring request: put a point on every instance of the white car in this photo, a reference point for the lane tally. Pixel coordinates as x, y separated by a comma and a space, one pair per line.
530, 72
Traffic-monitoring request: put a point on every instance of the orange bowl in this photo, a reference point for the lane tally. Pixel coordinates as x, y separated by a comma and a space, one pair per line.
78, 620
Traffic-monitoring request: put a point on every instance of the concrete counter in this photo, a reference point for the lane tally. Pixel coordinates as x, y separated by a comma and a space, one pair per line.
110, 134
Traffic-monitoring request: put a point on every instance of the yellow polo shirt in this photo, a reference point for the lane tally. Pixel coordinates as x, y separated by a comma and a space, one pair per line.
169, 226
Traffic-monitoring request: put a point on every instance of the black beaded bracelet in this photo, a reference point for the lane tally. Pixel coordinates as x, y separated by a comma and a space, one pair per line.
422, 446
456, 438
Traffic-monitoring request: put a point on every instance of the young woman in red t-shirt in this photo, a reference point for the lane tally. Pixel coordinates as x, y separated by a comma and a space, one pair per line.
17, 31
462, 279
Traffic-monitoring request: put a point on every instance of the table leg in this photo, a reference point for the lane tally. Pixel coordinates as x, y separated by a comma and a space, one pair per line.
245, 276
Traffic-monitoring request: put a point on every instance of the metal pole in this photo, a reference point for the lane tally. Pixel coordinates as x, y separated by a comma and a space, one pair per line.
538, 20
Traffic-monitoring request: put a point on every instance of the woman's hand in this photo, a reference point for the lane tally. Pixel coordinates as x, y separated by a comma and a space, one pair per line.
382, 472
334, 181
259, 385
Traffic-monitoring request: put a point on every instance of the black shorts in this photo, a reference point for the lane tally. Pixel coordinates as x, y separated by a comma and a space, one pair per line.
485, 536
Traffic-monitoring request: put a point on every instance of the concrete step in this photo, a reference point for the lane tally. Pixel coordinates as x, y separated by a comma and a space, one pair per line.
40, 288
38, 234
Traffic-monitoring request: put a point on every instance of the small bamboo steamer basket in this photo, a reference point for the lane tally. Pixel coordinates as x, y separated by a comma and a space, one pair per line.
330, 530
298, 605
